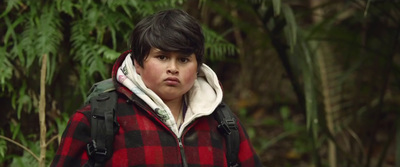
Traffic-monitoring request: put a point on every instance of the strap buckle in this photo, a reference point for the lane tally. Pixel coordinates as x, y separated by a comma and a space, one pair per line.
227, 125
92, 148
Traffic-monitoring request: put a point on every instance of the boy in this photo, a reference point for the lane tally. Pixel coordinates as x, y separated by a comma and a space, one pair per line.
166, 97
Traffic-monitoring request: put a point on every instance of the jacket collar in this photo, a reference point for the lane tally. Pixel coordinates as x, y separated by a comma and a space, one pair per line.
203, 98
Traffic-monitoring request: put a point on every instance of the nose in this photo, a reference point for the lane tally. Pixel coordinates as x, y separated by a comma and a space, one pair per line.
172, 68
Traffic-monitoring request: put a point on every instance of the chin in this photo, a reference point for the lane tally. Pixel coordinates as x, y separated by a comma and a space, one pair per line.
169, 97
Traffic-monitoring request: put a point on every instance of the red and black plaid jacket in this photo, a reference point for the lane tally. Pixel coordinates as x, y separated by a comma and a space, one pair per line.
144, 140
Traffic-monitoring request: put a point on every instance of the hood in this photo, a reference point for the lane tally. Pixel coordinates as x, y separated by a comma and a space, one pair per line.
202, 99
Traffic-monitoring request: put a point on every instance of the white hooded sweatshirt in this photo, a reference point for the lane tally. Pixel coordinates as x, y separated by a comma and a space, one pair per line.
202, 99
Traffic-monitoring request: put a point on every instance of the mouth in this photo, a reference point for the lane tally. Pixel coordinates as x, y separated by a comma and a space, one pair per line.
172, 81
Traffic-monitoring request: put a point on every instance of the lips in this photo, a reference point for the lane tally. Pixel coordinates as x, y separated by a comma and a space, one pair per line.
172, 81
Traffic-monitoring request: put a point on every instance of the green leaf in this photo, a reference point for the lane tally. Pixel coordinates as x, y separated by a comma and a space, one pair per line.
23, 100
277, 6
7, 68
109, 55
15, 129
28, 43
10, 4
62, 123
10, 29
309, 88
27, 159
216, 46
49, 34
3, 148
251, 132
65, 6
285, 112
291, 28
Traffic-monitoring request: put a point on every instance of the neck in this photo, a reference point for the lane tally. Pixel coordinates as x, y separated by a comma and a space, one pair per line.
175, 106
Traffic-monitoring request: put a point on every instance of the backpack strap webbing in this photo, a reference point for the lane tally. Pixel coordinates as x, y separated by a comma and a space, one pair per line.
103, 127
227, 126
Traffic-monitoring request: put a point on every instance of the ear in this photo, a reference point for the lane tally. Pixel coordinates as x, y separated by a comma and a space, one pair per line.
138, 68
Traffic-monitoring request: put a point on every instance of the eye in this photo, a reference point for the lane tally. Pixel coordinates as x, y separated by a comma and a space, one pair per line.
184, 60
162, 57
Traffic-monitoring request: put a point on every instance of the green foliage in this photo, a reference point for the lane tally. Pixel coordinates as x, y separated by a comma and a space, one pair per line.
42, 35
3, 147
291, 27
82, 39
61, 123
26, 159
277, 6
340, 58
23, 101
216, 46
98, 31
16, 129
6, 72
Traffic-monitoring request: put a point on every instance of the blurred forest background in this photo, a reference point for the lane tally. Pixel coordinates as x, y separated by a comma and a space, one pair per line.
316, 82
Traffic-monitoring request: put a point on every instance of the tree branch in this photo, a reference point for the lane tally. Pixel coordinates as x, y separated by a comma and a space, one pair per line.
20, 145
42, 113
52, 139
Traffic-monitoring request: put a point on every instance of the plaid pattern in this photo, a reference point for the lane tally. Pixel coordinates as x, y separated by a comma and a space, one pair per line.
143, 140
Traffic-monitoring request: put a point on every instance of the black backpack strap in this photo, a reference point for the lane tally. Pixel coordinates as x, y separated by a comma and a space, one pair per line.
227, 126
103, 127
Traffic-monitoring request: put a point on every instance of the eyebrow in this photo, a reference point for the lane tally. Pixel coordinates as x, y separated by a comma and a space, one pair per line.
184, 54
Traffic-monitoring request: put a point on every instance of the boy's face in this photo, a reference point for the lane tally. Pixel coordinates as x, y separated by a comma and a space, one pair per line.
169, 74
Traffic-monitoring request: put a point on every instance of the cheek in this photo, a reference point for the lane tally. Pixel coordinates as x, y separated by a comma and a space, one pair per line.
154, 68
191, 76
151, 73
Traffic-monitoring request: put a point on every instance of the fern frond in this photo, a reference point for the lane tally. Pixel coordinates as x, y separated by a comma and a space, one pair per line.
145, 7
49, 37
11, 29
88, 52
6, 71
65, 6
216, 46
41, 35
116, 23
11, 4
109, 54
28, 44
49, 33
